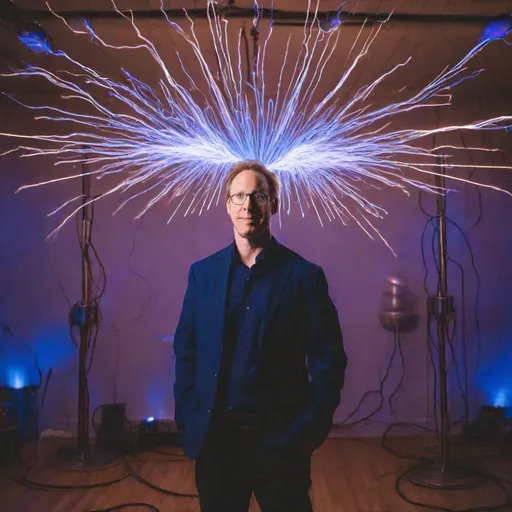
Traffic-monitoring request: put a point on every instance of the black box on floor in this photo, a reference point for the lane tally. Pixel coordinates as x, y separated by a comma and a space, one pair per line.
110, 432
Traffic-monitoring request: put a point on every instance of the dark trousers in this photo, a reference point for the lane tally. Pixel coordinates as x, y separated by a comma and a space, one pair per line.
234, 463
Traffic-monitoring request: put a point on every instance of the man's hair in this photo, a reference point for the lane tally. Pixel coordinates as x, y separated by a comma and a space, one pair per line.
274, 185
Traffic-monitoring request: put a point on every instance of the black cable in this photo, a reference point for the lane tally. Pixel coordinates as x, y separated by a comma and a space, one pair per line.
464, 337
180, 458
397, 453
27, 482
478, 289
402, 376
48, 377
118, 359
430, 344
380, 392
128, 505
134, 474
484, 474
450, 336
162, 452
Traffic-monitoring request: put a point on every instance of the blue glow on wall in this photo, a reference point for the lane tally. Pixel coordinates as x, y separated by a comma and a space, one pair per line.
495, 378
17, 377
49, 347
54, 346
502, 398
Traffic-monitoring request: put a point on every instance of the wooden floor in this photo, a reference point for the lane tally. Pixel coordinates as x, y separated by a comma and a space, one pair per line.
348, 475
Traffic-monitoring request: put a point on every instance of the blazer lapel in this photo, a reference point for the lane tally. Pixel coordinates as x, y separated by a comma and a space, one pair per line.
279, 274
221, 280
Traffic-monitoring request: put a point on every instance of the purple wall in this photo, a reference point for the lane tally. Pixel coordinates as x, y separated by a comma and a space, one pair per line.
147, 261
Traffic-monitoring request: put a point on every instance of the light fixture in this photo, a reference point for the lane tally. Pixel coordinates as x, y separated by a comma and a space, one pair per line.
331, 22
222, 5
149, 425
398, 305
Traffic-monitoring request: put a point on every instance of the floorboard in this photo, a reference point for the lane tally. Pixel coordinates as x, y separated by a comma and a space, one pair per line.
349, 474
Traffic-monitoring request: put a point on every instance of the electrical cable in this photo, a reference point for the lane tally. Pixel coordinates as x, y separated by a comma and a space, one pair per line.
506, 504
402, 376
28, 482
162, 452
478, 290
137, 476
380, 392
397, 453
450, 336
128, 505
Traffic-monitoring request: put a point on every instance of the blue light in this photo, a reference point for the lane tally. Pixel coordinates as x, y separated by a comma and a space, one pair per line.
494, 377
331, 23
35, 38
497, 29
175, 141
17, 378
501, 398
150, 419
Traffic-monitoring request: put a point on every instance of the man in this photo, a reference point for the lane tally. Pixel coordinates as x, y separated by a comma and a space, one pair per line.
259, 360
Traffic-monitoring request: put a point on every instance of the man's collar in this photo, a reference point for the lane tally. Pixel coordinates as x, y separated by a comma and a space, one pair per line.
266, 254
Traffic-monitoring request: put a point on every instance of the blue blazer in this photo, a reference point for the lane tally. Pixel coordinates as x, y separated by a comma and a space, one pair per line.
302, 356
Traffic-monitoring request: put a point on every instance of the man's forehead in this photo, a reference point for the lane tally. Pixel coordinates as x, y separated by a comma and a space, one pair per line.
250, 179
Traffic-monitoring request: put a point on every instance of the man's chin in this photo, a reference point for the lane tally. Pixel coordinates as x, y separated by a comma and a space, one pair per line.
252, 232
248, 233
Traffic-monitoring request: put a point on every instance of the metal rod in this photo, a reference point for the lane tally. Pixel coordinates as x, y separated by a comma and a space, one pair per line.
442, 294
10, 12
444, 474
85, 328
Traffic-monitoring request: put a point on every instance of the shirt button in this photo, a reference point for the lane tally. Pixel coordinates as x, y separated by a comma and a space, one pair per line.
247, 307
209, 411
215, 375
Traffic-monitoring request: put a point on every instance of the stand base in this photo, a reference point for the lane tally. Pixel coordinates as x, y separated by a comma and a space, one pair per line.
452, 478
68, 458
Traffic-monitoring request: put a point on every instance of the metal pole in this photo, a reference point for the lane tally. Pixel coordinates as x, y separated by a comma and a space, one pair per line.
85, 328
12, 13
442, 295
442, 474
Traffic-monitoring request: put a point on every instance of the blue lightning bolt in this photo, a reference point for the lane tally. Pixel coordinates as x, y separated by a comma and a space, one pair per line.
177, 141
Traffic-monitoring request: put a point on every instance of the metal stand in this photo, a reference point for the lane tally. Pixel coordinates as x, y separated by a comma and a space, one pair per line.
82, 455
443, 474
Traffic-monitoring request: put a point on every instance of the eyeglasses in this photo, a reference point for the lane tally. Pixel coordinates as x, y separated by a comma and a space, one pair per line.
239, 198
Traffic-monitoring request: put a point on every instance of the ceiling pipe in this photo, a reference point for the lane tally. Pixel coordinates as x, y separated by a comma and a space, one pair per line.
9, 12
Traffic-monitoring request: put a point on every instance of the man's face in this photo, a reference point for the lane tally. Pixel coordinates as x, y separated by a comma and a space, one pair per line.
249, 219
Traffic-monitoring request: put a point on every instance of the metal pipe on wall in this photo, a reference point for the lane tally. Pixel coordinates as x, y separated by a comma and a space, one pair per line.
9, 12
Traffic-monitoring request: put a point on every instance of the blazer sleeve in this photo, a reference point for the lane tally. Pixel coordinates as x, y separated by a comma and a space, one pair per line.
326, 360
185, 351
